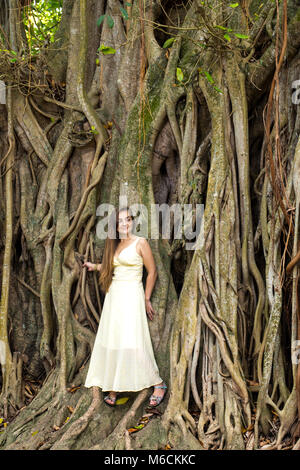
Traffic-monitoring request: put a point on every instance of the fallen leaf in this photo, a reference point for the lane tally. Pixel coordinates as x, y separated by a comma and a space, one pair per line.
72, 390
131, 430
122, 401
71, 409
140, 426
144, 420
249, 428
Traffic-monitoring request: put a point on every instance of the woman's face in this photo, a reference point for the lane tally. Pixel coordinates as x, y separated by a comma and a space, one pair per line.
124, 225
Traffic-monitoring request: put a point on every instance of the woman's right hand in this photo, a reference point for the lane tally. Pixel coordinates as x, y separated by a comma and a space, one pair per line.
149, 309
90, 266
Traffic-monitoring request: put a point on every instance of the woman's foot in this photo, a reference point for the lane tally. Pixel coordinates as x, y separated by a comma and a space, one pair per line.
158, 395
111, 398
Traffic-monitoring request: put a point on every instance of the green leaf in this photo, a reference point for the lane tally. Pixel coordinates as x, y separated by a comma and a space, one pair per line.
218, 89
12, 60
233, 5
223, 28
45, 14
179, 74
93, 130
106, 50
110, 21
124, 13
241, 36
209, 77
100, 19
227, 37
168, 42
128, 4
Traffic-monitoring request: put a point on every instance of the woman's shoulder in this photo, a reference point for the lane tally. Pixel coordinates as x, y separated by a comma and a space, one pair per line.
141, 243
142, 240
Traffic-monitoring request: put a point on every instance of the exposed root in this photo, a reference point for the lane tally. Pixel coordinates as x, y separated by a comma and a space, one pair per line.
79, 425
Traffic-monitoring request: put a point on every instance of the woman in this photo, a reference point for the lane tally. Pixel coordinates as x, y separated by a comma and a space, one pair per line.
122, 358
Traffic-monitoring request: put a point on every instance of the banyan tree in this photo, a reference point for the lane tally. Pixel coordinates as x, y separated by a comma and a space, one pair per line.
179, 102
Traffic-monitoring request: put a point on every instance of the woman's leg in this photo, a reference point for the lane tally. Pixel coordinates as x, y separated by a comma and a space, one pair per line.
111, 398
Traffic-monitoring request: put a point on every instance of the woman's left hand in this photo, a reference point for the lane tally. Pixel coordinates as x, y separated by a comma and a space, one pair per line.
149, 309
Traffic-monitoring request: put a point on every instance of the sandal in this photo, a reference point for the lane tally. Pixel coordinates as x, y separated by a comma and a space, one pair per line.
158, 399
113, 399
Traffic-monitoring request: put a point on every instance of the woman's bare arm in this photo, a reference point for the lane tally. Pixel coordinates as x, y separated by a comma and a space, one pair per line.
92, 266
145, 251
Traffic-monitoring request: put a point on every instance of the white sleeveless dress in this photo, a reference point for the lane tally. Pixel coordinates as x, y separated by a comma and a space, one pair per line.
122, 358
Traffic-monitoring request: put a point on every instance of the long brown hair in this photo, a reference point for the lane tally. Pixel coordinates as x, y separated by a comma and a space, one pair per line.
111, 243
